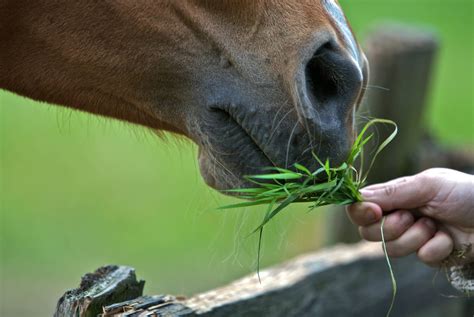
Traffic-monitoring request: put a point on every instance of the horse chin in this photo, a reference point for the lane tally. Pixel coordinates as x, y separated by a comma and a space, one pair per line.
214, 175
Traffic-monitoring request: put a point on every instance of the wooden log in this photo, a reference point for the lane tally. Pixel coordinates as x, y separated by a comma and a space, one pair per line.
107, 285
401, 60
346, 280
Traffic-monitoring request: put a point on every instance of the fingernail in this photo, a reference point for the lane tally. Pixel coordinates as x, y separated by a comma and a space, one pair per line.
371, 216
366, 193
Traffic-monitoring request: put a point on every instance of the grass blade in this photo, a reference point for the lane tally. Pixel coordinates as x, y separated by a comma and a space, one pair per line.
246, 204
389, 264
260, 236
383, 145
282, 176
302, 168
275, 211
319, 187
245, 190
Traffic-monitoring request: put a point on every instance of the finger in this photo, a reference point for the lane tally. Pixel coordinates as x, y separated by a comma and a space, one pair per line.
436, 249
389, 183
394, 226
413, 239
364, 214
404, 193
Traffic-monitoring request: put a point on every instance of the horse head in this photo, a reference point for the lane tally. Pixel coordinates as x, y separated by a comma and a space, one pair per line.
254, 83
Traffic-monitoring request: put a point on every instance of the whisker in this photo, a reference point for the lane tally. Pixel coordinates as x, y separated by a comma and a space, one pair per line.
366, 87
288, 144
231, 178
278, 125
276, 116
299, 106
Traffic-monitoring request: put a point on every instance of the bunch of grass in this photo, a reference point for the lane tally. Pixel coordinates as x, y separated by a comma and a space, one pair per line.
327, 185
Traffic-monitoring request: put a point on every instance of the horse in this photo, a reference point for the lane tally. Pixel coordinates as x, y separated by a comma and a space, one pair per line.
254, 83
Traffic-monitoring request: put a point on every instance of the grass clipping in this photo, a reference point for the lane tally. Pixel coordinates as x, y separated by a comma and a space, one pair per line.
327, 185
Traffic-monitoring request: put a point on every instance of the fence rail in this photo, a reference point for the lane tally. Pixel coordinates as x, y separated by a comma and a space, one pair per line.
345, 280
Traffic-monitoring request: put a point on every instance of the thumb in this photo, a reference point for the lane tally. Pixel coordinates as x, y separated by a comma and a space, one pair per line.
402, 193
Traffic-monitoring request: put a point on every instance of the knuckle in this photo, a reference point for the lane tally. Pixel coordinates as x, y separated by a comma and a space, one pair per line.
426, 229
397, 231
395, 250
398, 224
367, 234
424, 177
391, 232
390, 190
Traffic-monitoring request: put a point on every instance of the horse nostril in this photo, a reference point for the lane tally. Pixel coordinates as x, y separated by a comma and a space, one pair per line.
320, 79
332, 78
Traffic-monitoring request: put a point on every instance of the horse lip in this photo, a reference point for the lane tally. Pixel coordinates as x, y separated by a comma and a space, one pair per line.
227, 110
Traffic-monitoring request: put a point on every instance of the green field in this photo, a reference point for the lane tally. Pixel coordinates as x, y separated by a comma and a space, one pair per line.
77, 191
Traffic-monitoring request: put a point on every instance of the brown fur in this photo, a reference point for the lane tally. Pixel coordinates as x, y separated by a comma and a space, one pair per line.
156, 63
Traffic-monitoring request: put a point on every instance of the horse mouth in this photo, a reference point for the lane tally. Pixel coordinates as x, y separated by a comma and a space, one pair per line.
240, 141
231, 152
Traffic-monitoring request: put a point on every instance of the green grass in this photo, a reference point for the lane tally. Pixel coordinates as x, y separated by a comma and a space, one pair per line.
327, 185
77, 191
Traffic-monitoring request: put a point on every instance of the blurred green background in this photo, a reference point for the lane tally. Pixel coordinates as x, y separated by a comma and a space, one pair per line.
77, 191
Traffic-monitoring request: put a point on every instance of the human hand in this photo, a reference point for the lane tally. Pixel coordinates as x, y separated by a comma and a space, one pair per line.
430, 213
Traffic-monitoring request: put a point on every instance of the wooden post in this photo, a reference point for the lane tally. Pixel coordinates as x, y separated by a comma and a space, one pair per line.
401, 63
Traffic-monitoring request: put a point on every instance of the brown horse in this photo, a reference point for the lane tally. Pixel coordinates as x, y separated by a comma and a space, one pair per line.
253, 83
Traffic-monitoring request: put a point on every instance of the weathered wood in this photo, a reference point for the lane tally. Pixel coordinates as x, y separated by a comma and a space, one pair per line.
160, 305
401, 63
346, 280
107, 285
